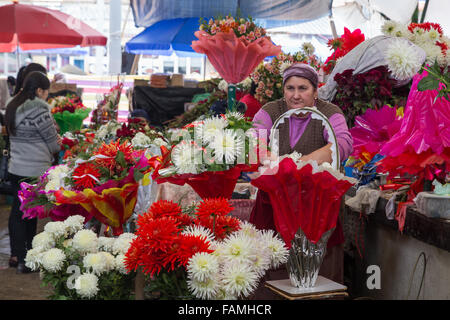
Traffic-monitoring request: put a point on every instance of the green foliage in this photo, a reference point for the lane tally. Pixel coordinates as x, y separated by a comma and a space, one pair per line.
436, 76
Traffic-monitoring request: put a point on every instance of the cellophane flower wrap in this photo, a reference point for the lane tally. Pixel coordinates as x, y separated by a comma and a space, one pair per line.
76, 264
68, 112
234, 47
209, 155
303, 195
201, 252
106, 183
269, 76
371, 131
423, 142
108, 108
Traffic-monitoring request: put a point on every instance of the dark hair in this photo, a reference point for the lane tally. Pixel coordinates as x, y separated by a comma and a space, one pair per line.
34, 80
23, 72
11, 80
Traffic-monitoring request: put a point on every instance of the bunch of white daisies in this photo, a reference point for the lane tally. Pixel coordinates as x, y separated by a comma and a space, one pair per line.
65, 248
237, 264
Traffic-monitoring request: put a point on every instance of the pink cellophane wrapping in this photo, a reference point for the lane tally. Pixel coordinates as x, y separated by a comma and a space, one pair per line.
303, 199
234, 58
373, 129
426, 125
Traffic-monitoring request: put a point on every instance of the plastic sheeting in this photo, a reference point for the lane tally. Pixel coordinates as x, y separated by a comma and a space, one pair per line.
273, 13
162, 104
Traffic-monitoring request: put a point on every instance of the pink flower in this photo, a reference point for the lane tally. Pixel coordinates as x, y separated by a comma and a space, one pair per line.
214, 29
251, 36
269, 93
242, 28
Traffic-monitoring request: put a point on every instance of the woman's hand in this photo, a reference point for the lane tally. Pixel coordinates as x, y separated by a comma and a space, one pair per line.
320, 155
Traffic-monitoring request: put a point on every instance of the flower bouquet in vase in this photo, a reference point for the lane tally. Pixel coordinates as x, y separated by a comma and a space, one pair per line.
108, 107
202, 253
234, 47
306, 199
209, 155
68, 112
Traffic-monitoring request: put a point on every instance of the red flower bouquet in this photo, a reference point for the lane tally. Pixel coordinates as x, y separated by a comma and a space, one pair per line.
69, 112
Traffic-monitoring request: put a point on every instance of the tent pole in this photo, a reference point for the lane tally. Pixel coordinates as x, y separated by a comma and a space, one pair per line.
204, 68
135, 64
333, 27
18, 57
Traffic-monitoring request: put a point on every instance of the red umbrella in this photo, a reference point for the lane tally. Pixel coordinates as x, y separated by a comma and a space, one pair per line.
32, 27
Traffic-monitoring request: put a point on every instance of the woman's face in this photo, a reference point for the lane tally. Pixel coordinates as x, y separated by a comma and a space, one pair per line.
41, 93
299, 92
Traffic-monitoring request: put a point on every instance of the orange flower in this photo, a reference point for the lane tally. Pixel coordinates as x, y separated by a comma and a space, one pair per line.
110, 152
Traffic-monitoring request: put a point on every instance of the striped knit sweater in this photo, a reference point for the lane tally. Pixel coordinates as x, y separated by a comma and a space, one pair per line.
35, 141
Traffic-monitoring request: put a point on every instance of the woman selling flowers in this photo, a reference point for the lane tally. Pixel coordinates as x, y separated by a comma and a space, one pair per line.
308, 137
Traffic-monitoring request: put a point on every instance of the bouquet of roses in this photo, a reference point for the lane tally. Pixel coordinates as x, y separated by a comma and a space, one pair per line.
204, 254
210, 154
269, 76
69, 112
76, 264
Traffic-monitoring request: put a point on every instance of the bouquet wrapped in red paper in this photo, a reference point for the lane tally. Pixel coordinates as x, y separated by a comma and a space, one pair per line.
209, 155
234, 47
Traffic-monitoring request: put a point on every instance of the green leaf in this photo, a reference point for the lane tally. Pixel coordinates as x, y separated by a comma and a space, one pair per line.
120, 159
428, 83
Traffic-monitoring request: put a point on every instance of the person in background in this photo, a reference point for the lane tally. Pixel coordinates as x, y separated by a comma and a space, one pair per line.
23, 72
11, 81
308, 137
253, 105
140, 114
34, 143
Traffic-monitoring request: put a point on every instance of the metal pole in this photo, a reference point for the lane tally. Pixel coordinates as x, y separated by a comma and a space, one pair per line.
422, 18
115, 50
333, 27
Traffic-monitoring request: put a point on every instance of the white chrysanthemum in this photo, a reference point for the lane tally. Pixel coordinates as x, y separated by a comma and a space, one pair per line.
447, 56
238, 279
33, 260
141, 140
224, 295
403, 60
432, 51
43, 240
202, 266
308, 48
106, 243
95, 263
74, 223
227, 146
160, 142
223, 86
237, 247
186, 157
234, 114
110, 260
246, 83
196, 230
278, 251
85, 241
120, 264
56, 229
107, 129
53, 259
86, 285
56, 177
388, 27
248, 229
284, 66
122, 243
432, 34
401, 31
211, 126
261, 261
206, 289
